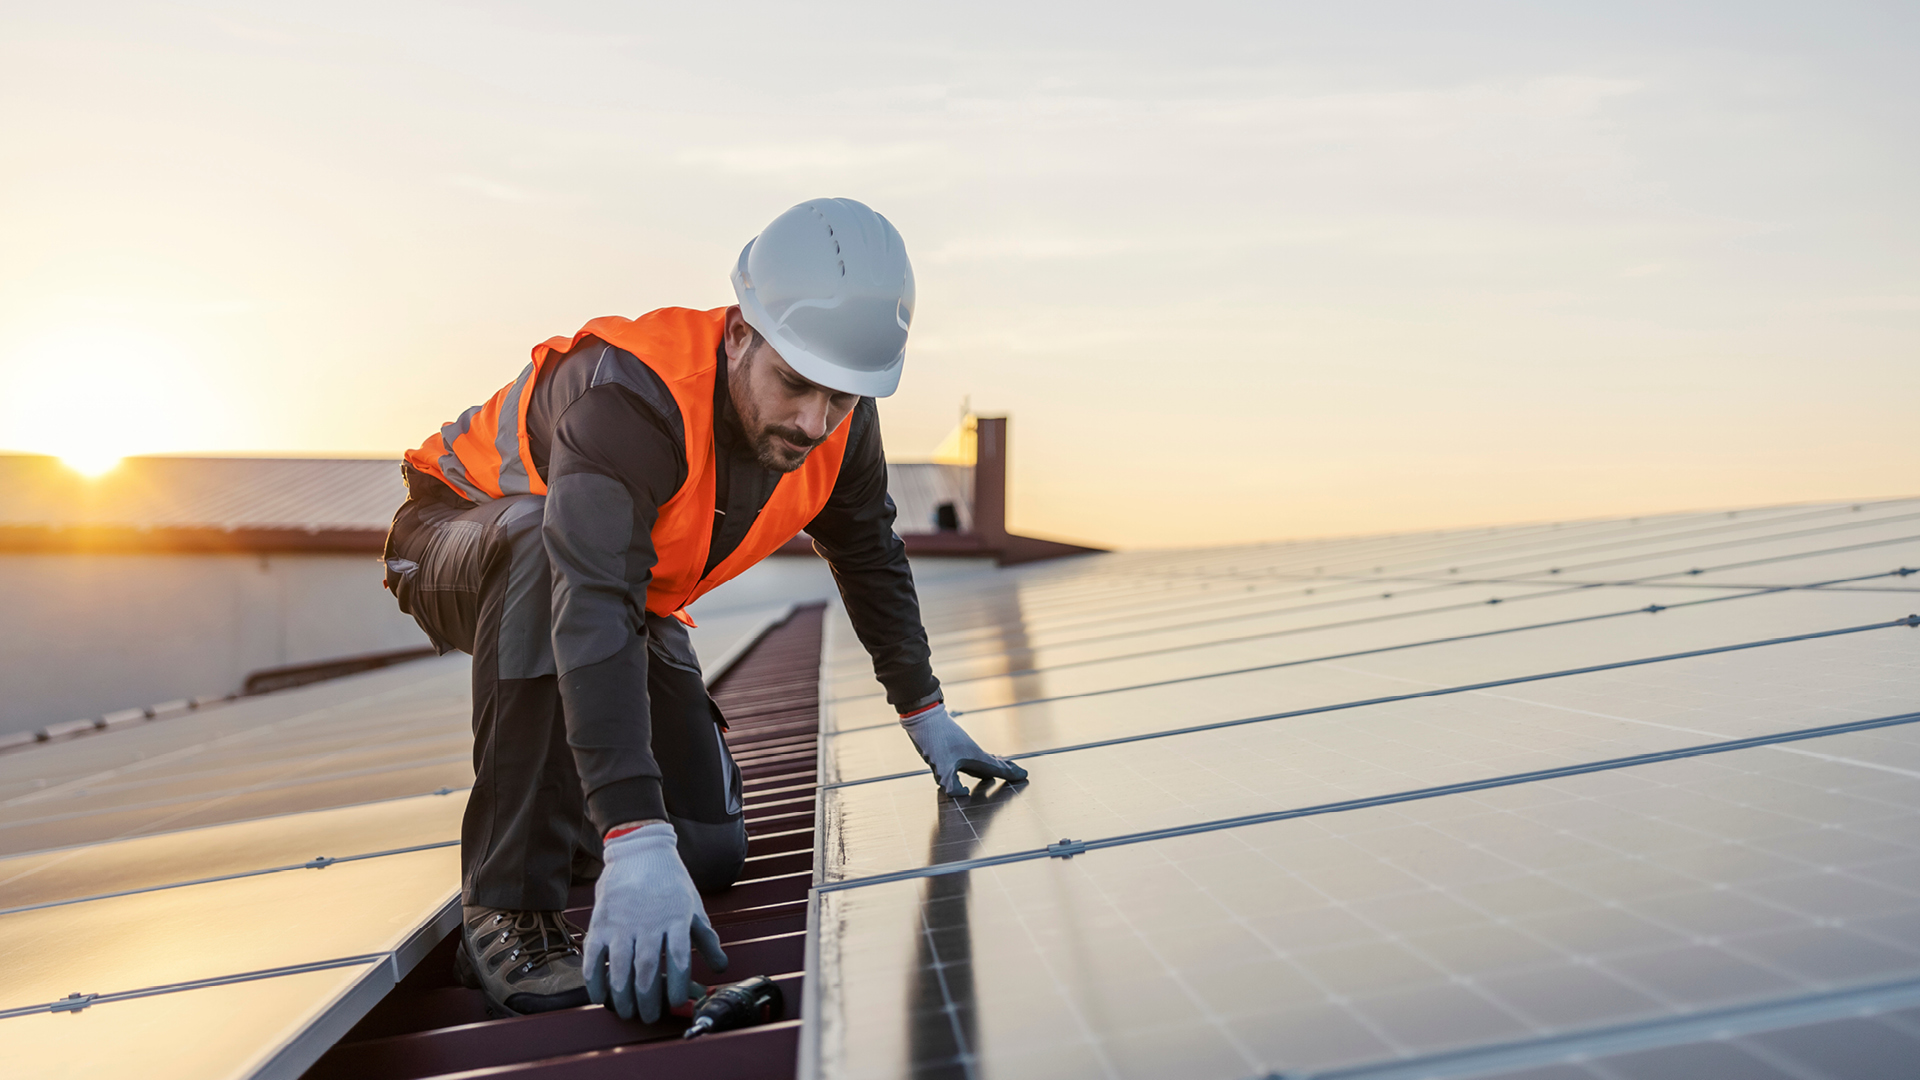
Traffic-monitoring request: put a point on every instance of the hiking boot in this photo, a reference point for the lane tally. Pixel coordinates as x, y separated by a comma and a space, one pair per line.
524, 961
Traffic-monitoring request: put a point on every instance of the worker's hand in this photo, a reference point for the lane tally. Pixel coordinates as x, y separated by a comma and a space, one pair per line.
948, 749
644, 907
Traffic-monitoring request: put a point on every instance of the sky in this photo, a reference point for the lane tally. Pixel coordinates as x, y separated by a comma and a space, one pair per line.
1237, 271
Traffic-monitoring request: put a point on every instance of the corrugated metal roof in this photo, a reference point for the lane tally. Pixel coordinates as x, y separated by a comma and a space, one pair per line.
202, 493
312, 494
919, 489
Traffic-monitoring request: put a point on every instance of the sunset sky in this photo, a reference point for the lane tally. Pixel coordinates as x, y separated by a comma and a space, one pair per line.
1236, 270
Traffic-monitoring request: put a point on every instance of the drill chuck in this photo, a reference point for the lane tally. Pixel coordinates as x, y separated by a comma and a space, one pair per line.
753, 1001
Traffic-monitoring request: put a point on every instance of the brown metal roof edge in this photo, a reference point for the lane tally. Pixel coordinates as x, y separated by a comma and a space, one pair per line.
1009, 549
806, 1056
172, 540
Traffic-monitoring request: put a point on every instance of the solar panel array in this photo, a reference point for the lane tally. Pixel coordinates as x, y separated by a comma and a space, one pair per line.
1612, 799
224, 893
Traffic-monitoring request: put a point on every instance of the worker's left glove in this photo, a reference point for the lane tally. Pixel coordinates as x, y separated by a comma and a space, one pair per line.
645, 907
948, 750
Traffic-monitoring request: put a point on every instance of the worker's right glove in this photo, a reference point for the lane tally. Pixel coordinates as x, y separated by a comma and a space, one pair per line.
644, 906
948, 749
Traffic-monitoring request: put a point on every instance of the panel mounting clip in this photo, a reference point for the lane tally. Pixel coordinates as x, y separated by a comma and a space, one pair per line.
1066, 849
320, 863
72, 1003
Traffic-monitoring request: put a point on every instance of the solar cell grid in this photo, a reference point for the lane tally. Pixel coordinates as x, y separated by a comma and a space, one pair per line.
1013, 606
1468, 551
1147, 633
1836, 1049
1843, 561
398, 732
868, 752
1196, 606
1742, 552
1308, 760
1381, 936
67, 874
1401, 931
1127, 582
250, 1020
1520, 624
217, 929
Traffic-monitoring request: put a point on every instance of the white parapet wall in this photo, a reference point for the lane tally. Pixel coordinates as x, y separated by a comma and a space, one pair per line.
82, 635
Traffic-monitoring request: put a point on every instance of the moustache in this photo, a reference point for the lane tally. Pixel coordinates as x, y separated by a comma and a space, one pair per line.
796, 437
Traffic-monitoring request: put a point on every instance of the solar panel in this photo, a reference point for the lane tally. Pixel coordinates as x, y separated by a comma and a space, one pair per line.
231, 1029
67, 875
226, 892
1512, 863
1377, 750
387, 734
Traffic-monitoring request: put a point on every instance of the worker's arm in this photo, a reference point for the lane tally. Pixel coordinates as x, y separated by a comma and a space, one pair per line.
615, 460
854, 533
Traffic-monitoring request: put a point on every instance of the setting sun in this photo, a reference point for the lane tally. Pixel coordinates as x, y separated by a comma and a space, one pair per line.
94, 398
91, 465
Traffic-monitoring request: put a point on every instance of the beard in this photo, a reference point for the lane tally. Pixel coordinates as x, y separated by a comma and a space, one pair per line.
771, 453
778, 456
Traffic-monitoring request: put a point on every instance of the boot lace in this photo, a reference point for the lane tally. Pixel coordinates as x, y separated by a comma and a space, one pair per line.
541, 936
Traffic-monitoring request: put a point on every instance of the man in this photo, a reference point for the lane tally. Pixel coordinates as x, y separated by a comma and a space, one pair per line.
558, 533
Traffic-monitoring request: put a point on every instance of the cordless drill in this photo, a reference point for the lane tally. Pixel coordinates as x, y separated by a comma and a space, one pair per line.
753, 1001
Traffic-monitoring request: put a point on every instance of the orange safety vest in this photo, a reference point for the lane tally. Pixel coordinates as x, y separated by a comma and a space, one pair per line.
483, 455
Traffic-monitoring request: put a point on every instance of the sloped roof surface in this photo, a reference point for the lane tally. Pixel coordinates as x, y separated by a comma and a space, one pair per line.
1627, 798
920, 488
218, 493
311, 493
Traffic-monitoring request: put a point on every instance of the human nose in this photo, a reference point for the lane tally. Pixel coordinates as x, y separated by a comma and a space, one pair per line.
813, 416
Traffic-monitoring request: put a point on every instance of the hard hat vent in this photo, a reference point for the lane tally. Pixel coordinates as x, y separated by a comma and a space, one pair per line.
829, 285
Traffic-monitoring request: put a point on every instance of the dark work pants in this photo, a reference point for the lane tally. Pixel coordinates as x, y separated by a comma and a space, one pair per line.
476, 579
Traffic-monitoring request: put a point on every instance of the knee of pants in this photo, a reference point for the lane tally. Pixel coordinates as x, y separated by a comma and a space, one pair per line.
714, 854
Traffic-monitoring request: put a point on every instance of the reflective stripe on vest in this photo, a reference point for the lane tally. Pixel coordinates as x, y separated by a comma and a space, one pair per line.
483, 455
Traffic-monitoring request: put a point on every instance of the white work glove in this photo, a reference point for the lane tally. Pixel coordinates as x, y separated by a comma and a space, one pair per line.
644, 905
948, 749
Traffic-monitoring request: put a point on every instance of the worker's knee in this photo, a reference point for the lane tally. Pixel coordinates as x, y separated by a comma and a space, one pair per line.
714, 854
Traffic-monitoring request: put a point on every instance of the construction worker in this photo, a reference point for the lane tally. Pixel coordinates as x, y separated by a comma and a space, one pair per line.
558, 533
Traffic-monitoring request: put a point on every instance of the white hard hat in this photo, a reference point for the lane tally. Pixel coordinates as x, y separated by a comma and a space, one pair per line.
829, 285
